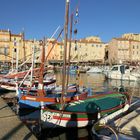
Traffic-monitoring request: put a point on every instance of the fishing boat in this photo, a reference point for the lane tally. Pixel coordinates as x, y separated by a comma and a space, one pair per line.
83, 112
51, 96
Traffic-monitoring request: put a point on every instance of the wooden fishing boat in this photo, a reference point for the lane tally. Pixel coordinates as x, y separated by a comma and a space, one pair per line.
32, 99
82, 112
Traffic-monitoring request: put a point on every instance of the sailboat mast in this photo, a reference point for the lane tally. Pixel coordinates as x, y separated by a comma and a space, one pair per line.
71, 21
40, 80
12, 59
17, 53
24, 52
65, 50
33, 57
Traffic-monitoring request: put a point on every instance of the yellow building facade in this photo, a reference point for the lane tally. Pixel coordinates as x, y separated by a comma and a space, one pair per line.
82, 50
13, 46
131, 36
134, 50
54, 50
5, 39
118, 50
123, 50
85, 50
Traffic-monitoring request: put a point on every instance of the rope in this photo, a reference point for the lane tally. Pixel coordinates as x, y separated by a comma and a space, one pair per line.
104, 126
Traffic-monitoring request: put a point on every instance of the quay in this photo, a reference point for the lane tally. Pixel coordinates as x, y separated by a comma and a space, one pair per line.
11, 128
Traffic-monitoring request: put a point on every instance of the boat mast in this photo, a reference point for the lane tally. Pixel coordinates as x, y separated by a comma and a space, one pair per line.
71, 21
65, 52
24, 52
12, 59
17, 52
32, 66
40, 80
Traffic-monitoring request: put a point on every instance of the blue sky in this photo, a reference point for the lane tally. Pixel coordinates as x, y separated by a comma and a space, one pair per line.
39, 18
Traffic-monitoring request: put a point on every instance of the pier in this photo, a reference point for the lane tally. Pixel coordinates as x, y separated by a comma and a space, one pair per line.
10, 125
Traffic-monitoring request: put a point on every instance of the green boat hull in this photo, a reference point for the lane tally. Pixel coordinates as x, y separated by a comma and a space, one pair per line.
83, 112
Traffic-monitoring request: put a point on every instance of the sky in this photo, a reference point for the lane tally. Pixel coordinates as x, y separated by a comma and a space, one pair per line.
40, 18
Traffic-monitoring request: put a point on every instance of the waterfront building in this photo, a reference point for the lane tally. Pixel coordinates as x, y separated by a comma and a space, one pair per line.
4, 45
54, 51
122, 50
16, 47
118, 50
87, 50
93, 39
13, 44
131, 36
90, 49
134, 51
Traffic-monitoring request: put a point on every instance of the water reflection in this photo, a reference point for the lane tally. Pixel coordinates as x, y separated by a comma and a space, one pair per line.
99, 83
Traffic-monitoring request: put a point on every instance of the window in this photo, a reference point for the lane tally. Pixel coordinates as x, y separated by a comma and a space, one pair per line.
1, 50
126, 67
114, 69
15, 43
61, 53
4, 50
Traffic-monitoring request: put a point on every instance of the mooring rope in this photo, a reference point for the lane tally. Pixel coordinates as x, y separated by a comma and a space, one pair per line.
104, 126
